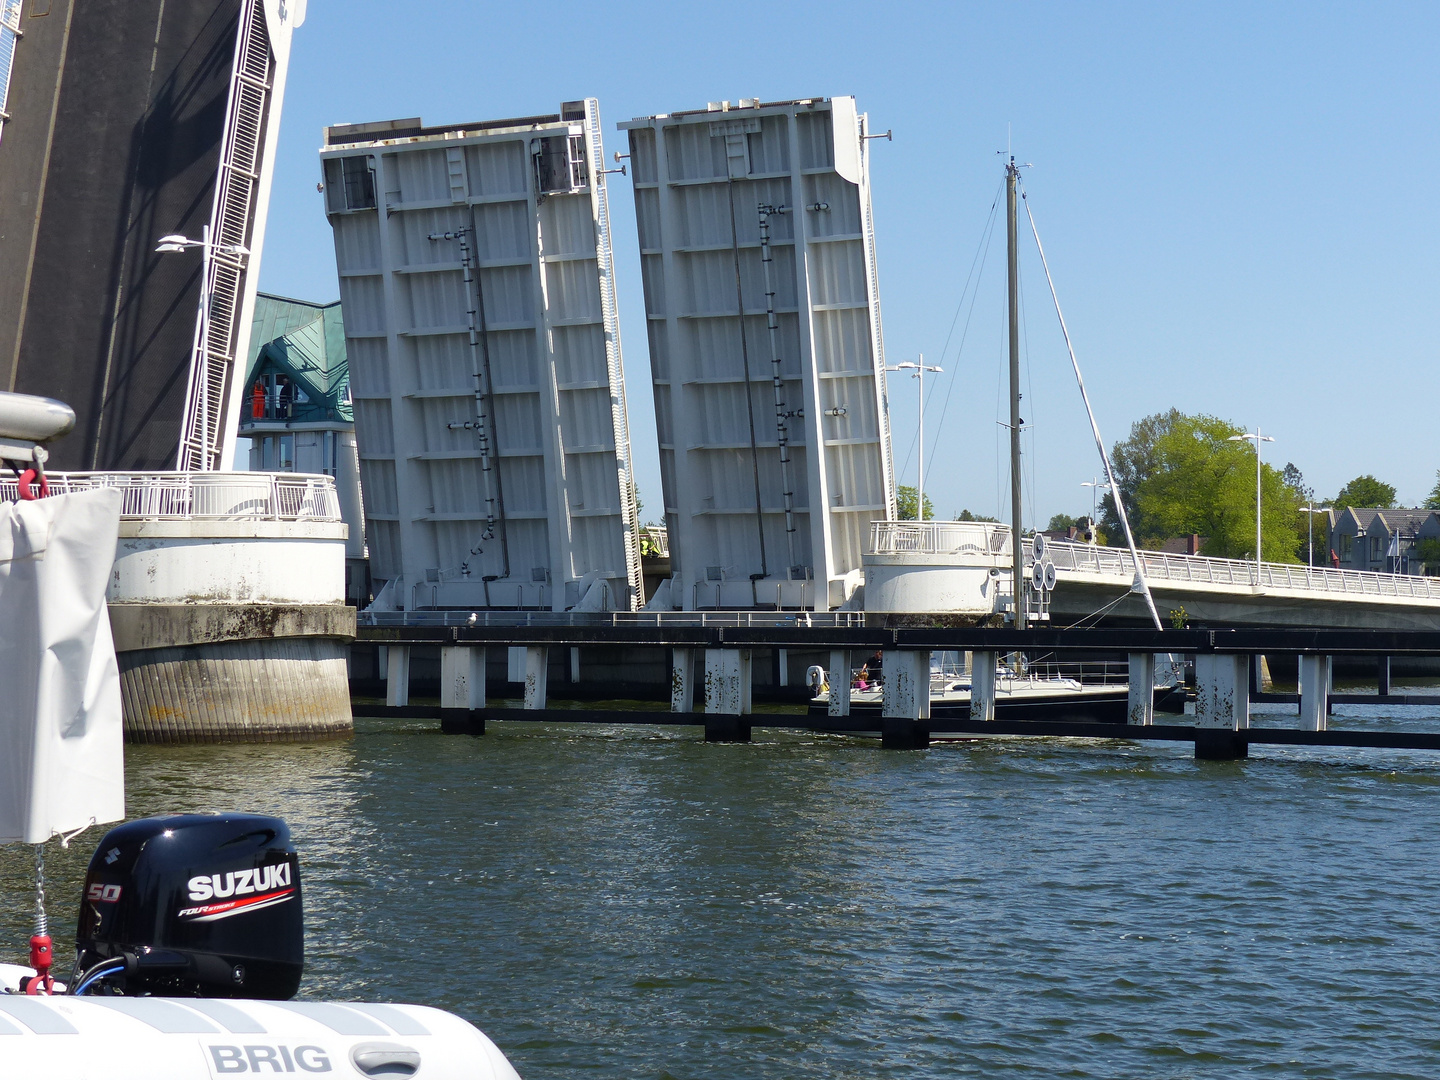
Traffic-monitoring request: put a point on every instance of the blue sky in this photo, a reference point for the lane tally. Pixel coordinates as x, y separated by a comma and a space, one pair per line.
1237, 200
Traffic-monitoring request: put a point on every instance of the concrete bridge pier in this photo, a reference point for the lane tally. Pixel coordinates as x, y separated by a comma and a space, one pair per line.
397, 675
982, 686
1142, 690
839, 682
905, 708
682, 680
727, 695
537, 670
462, 677
1315, 678
1222, 706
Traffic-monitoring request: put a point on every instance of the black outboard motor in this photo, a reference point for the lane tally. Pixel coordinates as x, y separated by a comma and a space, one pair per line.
192, 905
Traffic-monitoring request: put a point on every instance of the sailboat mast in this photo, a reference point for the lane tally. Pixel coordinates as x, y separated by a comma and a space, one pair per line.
1013, 293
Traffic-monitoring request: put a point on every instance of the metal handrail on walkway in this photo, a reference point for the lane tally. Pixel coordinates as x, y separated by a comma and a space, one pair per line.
1202, 569
234, 496
993, 539
823, 620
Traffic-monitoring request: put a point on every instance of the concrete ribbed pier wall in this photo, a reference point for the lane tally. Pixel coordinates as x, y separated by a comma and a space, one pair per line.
276, 690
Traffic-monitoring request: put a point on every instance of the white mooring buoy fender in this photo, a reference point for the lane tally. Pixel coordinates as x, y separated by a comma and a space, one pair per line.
155, 1038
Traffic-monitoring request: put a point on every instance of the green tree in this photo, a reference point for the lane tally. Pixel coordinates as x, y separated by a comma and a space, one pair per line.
1133, 460
1432, 501
1365, 491
966, 515
905, 499
1060, 522
1199, 481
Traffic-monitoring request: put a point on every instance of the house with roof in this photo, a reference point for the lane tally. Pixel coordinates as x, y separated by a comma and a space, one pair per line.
297, 411
1380, 540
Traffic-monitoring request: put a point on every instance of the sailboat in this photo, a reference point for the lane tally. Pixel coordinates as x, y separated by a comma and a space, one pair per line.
1022, 694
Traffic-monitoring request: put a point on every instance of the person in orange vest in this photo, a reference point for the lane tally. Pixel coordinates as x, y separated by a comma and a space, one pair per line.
257, 400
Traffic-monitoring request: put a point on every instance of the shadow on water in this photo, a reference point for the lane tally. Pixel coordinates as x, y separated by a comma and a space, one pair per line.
632, 902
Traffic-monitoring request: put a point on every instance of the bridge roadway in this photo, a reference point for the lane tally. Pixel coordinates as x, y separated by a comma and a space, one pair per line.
964, 567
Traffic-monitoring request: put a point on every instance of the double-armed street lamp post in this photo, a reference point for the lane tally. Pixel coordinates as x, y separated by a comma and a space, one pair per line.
197, 389
1094, 484
919, 373
1258, 439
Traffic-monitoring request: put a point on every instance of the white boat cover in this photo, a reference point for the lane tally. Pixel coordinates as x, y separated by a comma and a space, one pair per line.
150, 1038
62, 764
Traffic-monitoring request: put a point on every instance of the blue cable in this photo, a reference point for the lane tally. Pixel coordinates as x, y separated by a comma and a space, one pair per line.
97, 976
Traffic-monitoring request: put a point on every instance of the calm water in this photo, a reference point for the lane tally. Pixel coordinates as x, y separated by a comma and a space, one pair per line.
634, 903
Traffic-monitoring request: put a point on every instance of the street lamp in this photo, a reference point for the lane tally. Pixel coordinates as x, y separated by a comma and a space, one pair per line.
1310, 521
1094, 485
919, 373
173, 244
1258, 439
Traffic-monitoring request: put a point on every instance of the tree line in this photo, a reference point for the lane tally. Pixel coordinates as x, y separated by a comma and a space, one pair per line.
1181, 474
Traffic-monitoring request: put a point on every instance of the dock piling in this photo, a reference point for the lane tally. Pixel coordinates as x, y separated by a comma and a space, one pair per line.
1315, 675
682, 680
905, 697
982, 686
397, 675
537, 670
1141, 709
1222, 706
727, 681
462, 677
1382, 674
839, 682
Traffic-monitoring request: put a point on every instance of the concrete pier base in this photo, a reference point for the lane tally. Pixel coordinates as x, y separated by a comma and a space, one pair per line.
397, 675
721, 728
537, 670
278, 690
839, 677
1315, 677
982, 686
905, 709
682, 680
1222, 706
1141, 709
727, 695
462, 677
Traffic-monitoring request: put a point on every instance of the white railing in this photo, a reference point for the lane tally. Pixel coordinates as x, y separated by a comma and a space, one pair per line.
939, 538
1200, 569
824, 620
222, 496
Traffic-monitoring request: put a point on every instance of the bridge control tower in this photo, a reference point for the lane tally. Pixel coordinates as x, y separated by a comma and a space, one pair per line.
485, 368
757, 245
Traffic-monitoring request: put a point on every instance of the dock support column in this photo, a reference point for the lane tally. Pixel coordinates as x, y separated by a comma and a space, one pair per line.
682, 680
397, 675
782, 666
462, 677
515, 664
839, 677
1142, 689
575, 663
905, 713
537, 670
1222, 706
982, 686
1315, 675
1382, 675
727, 695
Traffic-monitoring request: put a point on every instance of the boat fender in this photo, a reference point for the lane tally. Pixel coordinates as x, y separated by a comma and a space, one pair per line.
815, 677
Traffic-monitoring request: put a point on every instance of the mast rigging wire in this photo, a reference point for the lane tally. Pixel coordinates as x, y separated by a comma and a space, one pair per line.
1094, 427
